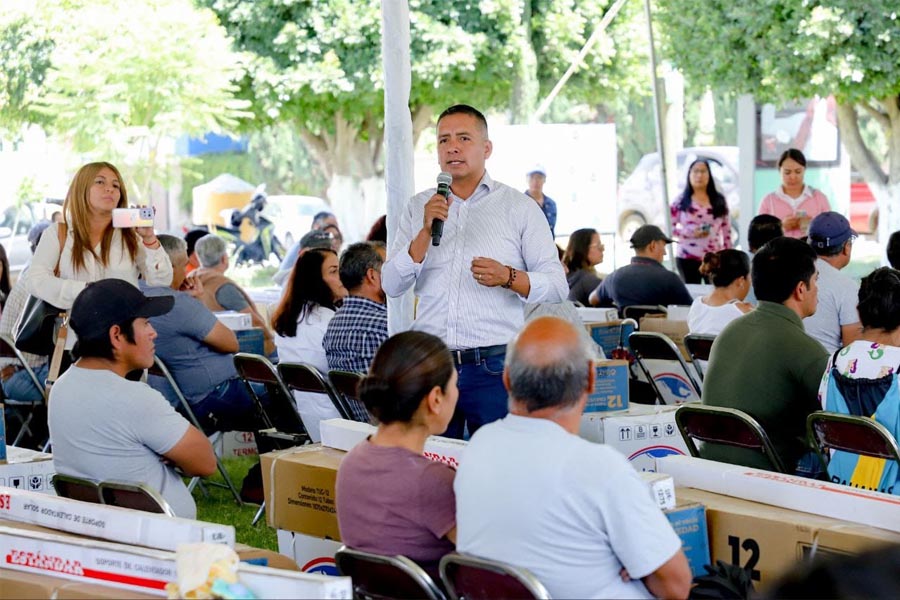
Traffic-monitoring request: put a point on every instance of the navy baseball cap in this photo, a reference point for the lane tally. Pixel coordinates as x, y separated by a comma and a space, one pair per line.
829, 229
109, 302
646, 234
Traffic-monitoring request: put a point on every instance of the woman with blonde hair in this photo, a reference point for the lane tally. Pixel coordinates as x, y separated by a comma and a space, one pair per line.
92, 249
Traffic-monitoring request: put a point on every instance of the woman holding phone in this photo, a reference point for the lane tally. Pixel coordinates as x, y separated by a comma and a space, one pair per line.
700, 221
92, 249
795, 203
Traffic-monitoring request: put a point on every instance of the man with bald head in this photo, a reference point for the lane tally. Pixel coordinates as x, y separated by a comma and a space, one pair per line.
532, 493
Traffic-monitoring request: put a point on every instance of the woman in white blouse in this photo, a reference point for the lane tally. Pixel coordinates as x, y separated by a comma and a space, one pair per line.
311, 294
93, 249
729, 271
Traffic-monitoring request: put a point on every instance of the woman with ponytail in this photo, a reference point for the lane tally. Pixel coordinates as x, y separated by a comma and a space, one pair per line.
729, 271
391, 499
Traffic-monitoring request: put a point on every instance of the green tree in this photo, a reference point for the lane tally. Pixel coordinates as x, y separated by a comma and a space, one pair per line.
125, 78
317, 64
782, 50
25, 57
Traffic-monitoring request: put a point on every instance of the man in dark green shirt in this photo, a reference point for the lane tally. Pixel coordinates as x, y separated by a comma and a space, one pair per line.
764, 364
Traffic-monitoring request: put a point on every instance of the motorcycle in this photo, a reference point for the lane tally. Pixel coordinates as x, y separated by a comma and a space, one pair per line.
265, 242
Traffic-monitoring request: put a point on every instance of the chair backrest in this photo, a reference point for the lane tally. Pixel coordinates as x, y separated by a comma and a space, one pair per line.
638, 311
699, 347
281, 411
137, 496
383, 577
474, 578
655, 346
77, 488
306, 378
858, 435
160, 369
726, 426
8, 350
346, 383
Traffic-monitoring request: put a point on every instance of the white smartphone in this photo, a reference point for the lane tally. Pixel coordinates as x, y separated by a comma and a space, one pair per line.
133, 217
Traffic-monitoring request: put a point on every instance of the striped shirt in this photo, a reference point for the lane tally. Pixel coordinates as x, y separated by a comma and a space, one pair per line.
495, 222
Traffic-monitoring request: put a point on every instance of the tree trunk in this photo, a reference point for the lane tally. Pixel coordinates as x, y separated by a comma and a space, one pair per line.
525, 84
885, 187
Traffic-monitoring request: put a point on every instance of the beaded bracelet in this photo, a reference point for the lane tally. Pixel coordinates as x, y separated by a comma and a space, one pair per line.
512, 278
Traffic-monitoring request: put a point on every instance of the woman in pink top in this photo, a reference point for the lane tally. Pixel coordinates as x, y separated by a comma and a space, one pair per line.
699, 221
795, 203
390, 498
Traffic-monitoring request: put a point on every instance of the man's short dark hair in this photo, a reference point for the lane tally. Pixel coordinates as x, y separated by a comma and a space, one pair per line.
779, 266
356, 261
762, 229
893, 250
465, 109
191, 238
320, 217
102, 347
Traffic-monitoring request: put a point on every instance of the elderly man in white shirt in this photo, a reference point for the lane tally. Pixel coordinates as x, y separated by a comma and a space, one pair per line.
495, 256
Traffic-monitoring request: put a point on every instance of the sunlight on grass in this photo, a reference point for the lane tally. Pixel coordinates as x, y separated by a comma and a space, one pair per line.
219, 507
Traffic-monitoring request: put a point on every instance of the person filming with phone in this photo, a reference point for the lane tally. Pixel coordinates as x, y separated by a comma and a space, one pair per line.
476, 251
87, 247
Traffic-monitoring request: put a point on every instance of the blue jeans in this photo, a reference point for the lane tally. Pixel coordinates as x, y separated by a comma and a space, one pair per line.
229, 407
482, 397
21, 387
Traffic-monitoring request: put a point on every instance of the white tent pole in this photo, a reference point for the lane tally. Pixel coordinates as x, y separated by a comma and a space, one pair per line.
398, 136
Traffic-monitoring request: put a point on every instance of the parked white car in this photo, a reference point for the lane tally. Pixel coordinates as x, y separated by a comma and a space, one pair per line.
293, 215
640, 195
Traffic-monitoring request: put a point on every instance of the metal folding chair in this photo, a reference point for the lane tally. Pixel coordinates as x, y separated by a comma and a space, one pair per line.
346, 384
468, 577
377, 577
159, 369
301, 377
137, 496
848, 433
77, 488
650, 345
8, 350
726, 426
639, 311
699, 347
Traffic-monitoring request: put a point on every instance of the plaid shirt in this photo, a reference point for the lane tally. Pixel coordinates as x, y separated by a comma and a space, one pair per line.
355, 332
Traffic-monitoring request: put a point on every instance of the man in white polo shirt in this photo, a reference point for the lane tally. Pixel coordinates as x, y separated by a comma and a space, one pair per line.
836, 322
530, 492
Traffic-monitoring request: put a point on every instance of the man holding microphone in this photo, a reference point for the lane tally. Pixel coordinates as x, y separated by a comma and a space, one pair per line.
474, 273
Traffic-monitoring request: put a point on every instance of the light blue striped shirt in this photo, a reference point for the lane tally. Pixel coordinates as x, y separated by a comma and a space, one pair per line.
496, 222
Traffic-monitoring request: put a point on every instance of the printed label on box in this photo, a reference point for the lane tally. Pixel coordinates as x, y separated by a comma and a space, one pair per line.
689, 522
610, 387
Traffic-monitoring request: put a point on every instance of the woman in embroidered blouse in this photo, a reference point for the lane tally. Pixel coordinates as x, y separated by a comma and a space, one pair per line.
795, 203
699, 220
93, 249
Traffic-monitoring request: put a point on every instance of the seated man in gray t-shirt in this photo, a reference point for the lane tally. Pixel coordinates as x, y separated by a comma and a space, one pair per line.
105, 427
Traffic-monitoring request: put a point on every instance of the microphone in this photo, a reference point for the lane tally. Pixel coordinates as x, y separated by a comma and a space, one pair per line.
443, 188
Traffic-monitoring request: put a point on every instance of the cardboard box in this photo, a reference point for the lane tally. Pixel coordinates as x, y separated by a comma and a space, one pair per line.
19, 586
343, 434
109, 522
236, 443
234, 320
610, 387
771, 541
674, 330
661, 488
141, 569
590, 314
642, 433
688, 519
609, 333
312, 554
299, 489
28, 470
786, 491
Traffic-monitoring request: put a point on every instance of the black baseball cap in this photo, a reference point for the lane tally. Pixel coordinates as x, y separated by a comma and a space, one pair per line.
109, 302
646, 234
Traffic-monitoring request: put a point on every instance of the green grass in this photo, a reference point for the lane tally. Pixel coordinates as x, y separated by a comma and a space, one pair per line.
219, 507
